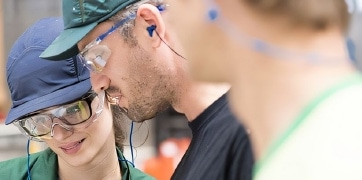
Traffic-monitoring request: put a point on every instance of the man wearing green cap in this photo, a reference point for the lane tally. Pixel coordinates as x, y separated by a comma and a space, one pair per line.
133, 53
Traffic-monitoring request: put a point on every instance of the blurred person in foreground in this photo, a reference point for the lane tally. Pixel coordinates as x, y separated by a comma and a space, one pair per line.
134, 54
293, 83
53, 102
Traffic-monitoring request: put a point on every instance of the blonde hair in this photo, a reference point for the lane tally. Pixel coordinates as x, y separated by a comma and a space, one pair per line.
313, 14
118, 124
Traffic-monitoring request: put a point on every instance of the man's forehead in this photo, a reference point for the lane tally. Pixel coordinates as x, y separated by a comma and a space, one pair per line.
94, 33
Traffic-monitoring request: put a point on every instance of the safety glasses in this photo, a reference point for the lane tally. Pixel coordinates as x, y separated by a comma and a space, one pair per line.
41, 125
94, 56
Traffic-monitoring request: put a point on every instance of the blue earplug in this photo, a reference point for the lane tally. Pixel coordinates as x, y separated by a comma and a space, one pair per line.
212, 14
150, 30
161, 7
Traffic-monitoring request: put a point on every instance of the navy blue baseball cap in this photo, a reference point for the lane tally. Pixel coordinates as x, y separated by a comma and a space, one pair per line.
36, 84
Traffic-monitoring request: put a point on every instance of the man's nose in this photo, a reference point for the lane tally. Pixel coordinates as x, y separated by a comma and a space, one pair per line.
100, 82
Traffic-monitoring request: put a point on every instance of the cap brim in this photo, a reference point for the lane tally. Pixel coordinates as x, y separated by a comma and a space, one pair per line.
61, 96
65, 45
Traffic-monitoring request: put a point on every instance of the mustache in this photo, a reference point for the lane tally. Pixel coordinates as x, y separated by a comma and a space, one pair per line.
113, 94
113, 90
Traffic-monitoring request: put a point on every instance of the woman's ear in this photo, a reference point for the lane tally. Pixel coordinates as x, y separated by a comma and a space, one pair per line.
150, 21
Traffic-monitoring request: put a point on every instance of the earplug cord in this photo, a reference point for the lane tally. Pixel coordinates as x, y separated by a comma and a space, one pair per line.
131, 146
28, 161
130, 143
170, 47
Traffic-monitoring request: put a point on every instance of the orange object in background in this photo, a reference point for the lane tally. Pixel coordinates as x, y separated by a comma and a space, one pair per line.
170, 153
2, 118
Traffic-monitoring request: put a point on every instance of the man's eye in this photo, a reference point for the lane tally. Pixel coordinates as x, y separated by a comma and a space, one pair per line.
100, 61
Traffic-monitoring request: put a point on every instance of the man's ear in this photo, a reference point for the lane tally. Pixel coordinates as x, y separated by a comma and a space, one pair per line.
150, 21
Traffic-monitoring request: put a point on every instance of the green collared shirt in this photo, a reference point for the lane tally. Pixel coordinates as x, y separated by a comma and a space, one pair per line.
44, 165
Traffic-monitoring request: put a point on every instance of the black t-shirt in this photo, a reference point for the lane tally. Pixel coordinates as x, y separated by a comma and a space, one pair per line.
220, 147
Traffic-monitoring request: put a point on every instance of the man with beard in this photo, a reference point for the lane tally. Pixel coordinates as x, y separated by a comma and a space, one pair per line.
134, 54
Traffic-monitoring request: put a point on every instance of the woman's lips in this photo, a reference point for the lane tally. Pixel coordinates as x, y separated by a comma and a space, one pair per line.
72, 147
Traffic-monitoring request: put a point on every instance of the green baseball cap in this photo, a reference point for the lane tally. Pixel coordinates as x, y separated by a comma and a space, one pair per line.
80, 17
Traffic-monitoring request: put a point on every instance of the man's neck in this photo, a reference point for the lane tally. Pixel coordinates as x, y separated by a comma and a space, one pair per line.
197, 97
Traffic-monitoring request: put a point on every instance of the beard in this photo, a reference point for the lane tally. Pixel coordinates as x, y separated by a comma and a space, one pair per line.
150, 86
146, 110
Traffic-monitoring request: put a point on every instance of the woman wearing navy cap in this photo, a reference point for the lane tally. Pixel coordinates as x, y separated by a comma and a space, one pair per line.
53, 102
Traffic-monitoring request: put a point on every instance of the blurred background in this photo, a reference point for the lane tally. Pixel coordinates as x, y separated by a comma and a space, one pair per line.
158, 143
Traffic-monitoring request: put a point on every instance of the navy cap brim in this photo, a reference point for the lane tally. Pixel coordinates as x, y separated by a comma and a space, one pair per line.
55, 98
